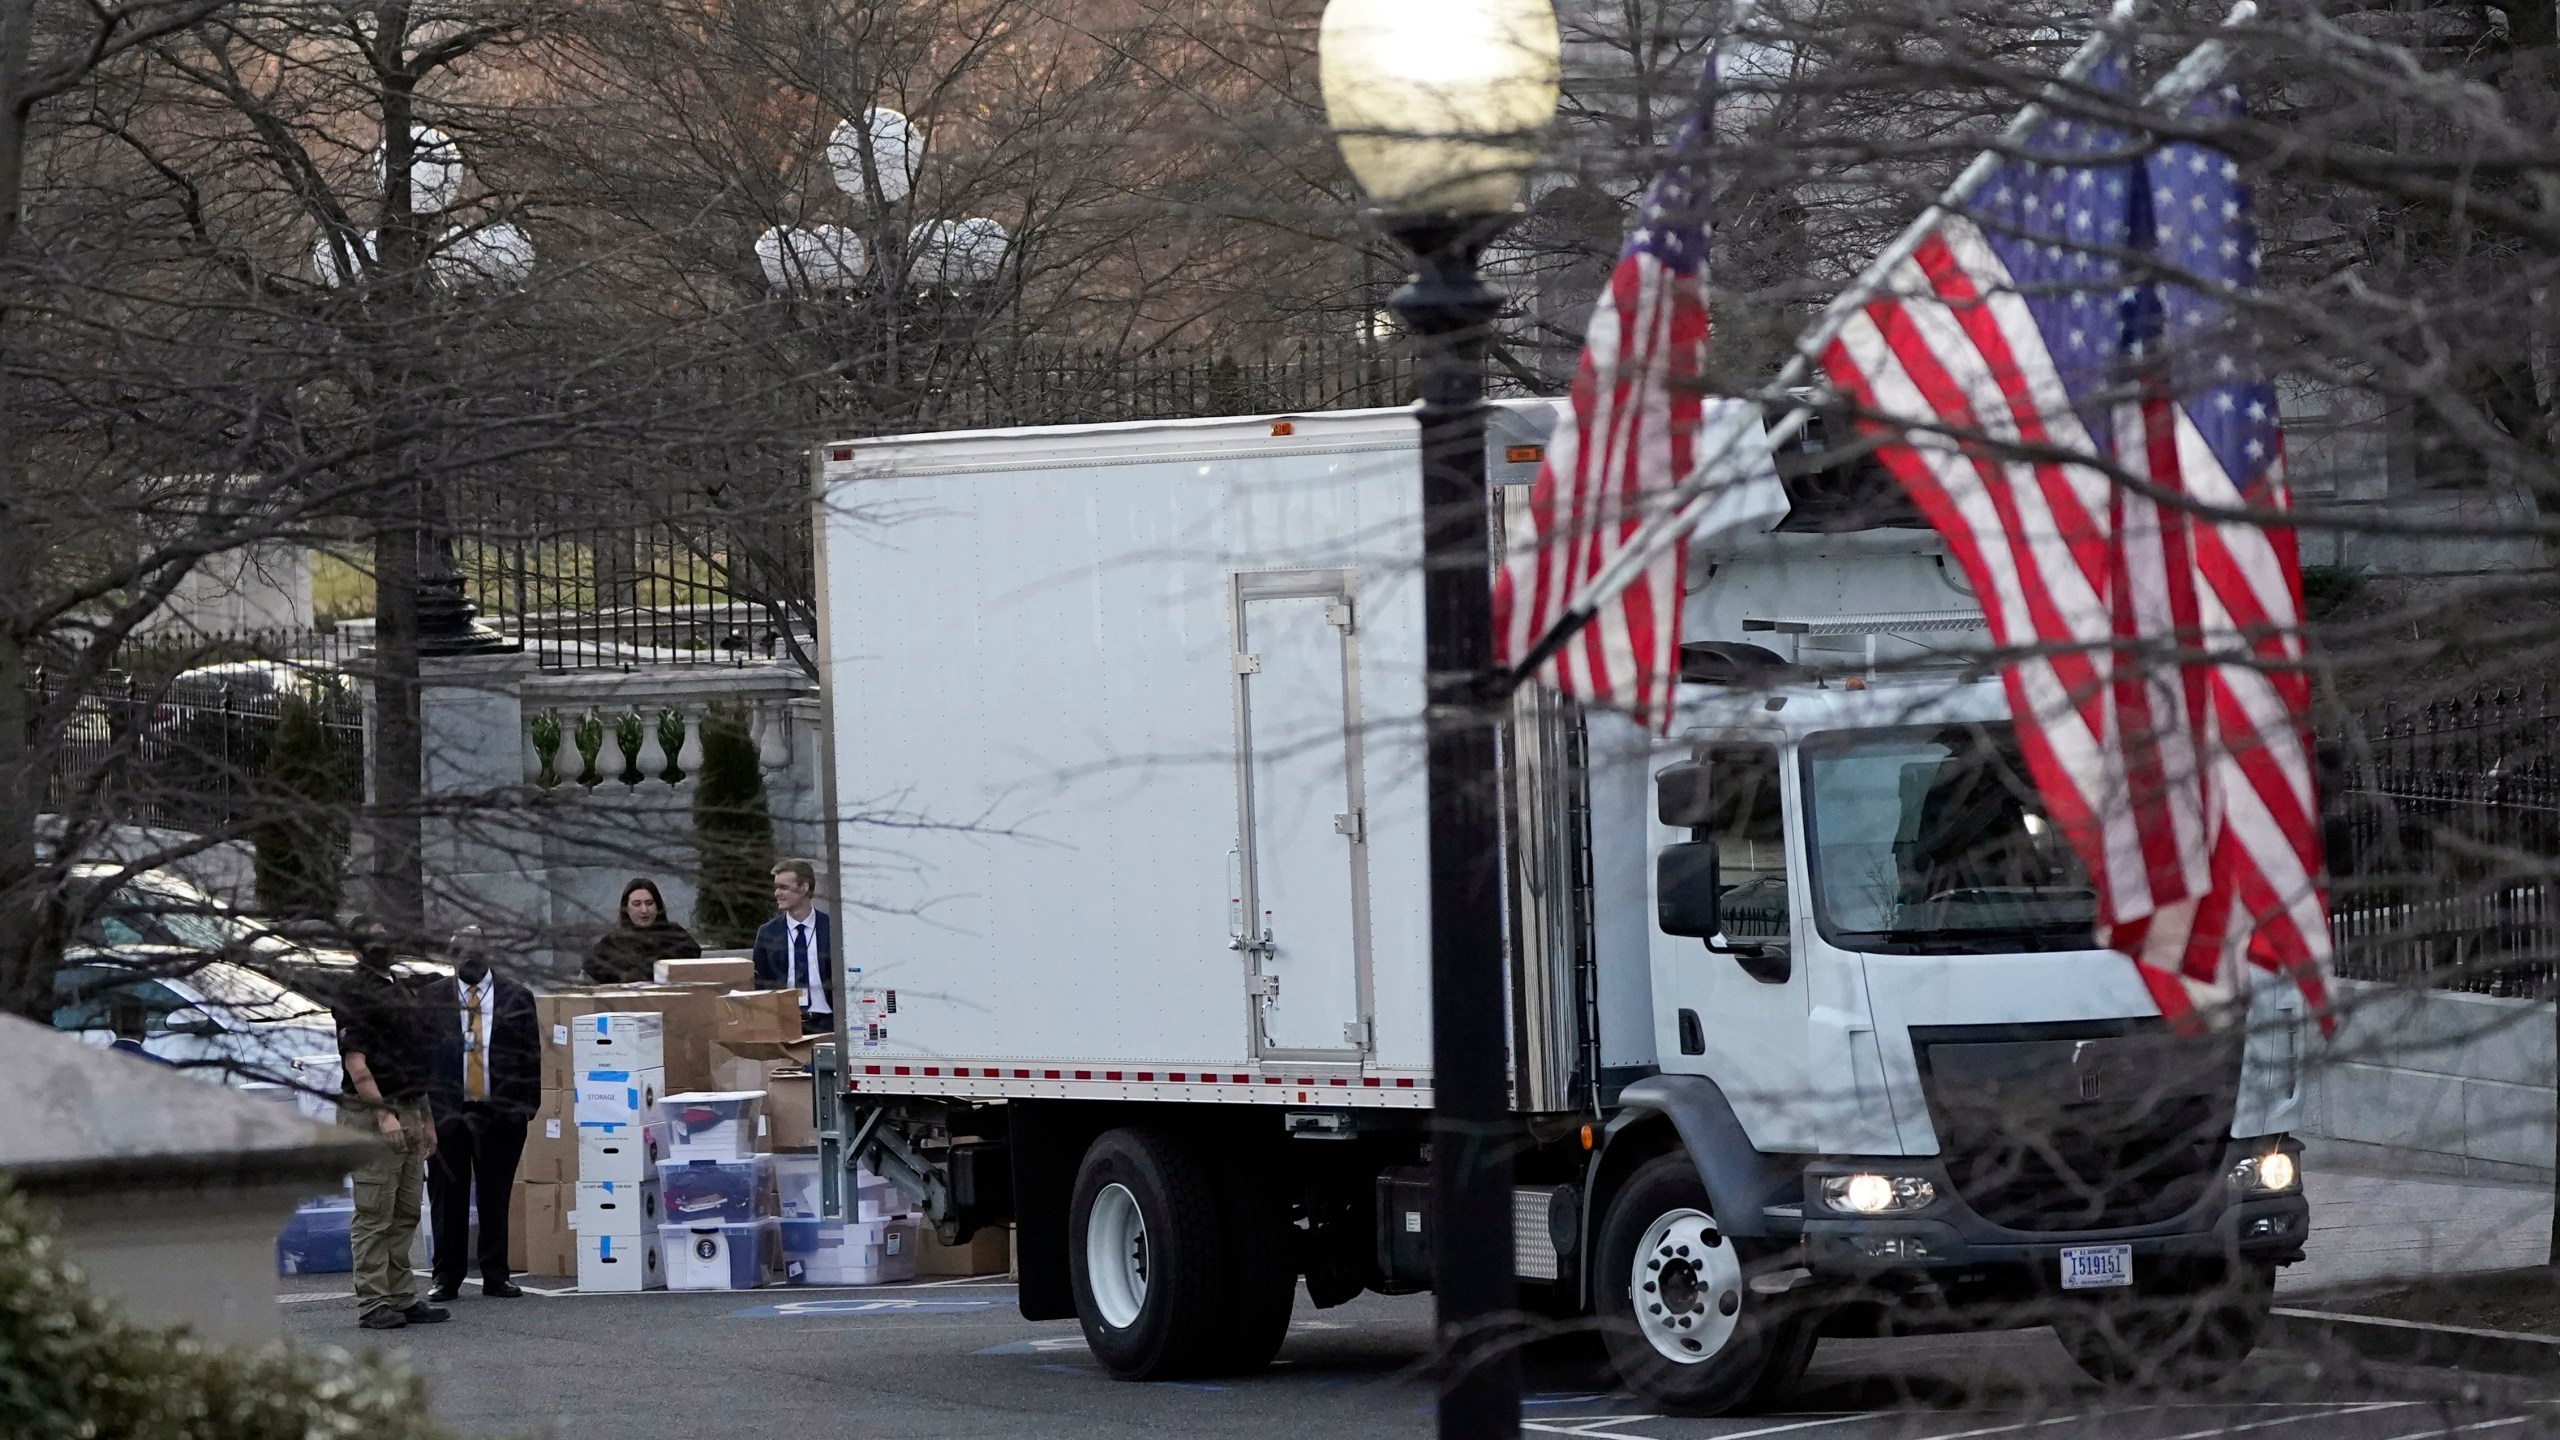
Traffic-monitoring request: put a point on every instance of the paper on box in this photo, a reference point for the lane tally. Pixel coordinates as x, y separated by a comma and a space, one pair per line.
551, 1141
621, 1263
729, 974
618, 1207
552, 1014
758, 1017
619, 1095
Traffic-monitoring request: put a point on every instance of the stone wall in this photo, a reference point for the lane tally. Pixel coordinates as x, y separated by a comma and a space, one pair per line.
2434, 1081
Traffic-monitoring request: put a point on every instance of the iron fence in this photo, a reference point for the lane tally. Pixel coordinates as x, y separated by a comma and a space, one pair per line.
2442, 824
198, 750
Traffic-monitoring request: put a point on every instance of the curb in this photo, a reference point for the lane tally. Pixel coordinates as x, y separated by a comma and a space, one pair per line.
2409, 1342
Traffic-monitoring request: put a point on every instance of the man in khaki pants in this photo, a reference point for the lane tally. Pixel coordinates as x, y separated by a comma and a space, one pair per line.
387, 1046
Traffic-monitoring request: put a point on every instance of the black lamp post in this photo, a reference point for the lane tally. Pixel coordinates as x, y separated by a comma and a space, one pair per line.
1434, 103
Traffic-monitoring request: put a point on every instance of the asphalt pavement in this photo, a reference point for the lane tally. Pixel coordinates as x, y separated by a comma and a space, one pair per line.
954, 1361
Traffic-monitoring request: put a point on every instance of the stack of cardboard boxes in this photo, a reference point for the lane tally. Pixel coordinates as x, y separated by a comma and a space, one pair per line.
702, 1072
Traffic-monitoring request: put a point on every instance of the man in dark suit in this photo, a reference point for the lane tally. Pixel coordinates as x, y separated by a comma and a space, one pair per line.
487, 1085
796, 948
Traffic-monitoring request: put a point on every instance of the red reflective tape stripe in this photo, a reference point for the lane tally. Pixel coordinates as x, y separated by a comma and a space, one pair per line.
870, 1069
1048, 1074
1338, 1080
902, 1070
1021, 1074
933, 1070
1370, 1081
1176, 1077
1084, 1074
1146, 1075
1110, 1074
1404, 1082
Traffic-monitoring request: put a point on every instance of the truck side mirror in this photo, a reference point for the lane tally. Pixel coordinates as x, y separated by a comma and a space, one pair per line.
1680, 796
1685, 889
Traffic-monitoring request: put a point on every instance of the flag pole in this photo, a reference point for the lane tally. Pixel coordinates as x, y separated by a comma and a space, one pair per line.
1689, 501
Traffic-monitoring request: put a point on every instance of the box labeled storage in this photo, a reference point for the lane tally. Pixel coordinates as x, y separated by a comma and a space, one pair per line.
989, 1252
619, 1095
553, 1014
619, 1207
617, 1150
738, 973
713, 1124
823, 1252
550, 1142
621, 1262
549, 1247
739, 1255
759, 1017
701, 1192
631, 1040
791, 1113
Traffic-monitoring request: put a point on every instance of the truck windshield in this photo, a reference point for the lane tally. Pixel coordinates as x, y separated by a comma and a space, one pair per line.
1931, 840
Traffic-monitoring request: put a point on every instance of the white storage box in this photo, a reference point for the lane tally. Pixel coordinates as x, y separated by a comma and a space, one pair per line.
617, 1151
609, 1093
823, 1252
618, 1207
621, 1262
712, 1124
618, 1040
737, 1256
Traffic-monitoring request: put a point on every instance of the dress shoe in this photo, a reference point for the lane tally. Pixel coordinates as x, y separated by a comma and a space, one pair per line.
384, 1320
443, 1294
423, 1313
501, 1289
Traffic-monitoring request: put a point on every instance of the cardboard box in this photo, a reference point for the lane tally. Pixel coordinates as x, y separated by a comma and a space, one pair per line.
515, 1228
790, 1108
750, 1017
618, 1040
552, 1014
733, 1071
989, 1252
551, 1142
619, 1151
713, 1125
735, 973
687, 1017
619, 1095
549, 1247
621, 1263
618, 1207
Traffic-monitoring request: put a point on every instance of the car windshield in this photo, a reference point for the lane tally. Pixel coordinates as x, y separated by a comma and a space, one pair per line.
1931, 840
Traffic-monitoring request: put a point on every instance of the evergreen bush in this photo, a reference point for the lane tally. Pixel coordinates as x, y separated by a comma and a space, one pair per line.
733, 830
72, 1369
308, 789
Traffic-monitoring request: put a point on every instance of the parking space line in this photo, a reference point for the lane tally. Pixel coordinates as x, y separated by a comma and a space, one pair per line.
2330, 1412
2473, 1427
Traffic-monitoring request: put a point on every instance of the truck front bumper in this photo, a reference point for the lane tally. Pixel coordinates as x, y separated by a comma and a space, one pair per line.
2223, 1226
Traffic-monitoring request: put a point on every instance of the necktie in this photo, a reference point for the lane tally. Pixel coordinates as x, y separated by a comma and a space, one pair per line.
475, 1058
800, 975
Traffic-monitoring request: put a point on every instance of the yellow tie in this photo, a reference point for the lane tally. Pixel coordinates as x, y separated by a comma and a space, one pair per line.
475, 1061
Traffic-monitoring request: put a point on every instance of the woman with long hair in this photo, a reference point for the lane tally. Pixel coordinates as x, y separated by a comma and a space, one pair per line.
642, 935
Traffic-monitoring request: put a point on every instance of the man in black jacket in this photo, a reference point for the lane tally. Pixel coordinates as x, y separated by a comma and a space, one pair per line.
488, 1083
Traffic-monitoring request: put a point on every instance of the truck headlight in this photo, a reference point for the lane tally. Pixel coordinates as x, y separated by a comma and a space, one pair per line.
2270, 1174
1877, 1194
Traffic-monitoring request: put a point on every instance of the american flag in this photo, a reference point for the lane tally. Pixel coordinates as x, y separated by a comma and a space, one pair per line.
2205, 428
1631, 432
1992, 355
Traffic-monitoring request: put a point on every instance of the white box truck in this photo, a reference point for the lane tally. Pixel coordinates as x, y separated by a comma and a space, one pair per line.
1809, 1032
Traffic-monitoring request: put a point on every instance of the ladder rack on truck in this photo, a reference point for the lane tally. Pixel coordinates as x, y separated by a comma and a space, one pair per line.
1808, 1027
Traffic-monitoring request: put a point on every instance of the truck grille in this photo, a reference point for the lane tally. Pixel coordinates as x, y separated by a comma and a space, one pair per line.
2079, 1126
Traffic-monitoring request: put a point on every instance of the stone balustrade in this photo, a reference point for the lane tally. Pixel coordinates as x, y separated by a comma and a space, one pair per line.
612, 734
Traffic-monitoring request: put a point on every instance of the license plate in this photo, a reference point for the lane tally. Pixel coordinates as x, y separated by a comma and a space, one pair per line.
2096, 1267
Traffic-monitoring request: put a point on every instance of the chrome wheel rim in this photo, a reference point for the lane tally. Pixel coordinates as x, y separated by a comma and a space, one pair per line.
1115, 1256
1686, 1287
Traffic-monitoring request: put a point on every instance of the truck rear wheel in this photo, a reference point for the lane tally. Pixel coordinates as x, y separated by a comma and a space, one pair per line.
1683, 1325
2174, 1337
1261, 1255
1143, 1249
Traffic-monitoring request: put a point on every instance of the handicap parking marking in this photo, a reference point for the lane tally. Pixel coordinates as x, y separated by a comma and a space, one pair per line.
870, 1305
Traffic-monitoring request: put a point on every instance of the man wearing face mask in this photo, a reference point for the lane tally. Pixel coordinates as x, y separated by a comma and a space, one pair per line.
488, 1083
387, 1051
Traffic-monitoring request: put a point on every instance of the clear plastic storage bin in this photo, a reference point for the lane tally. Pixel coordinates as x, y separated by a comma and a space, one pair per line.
824, 1252
739, 1255
707, 1192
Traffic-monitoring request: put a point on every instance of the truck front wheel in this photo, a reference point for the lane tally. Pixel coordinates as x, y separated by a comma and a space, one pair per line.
1682, 1322
1143, 1248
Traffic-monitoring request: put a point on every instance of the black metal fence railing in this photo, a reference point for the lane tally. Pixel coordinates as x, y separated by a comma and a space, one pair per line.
2443, 829
204, 750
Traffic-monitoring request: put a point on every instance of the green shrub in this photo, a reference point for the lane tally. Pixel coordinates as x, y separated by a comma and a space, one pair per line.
733, 829
72, 1369
309, 786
